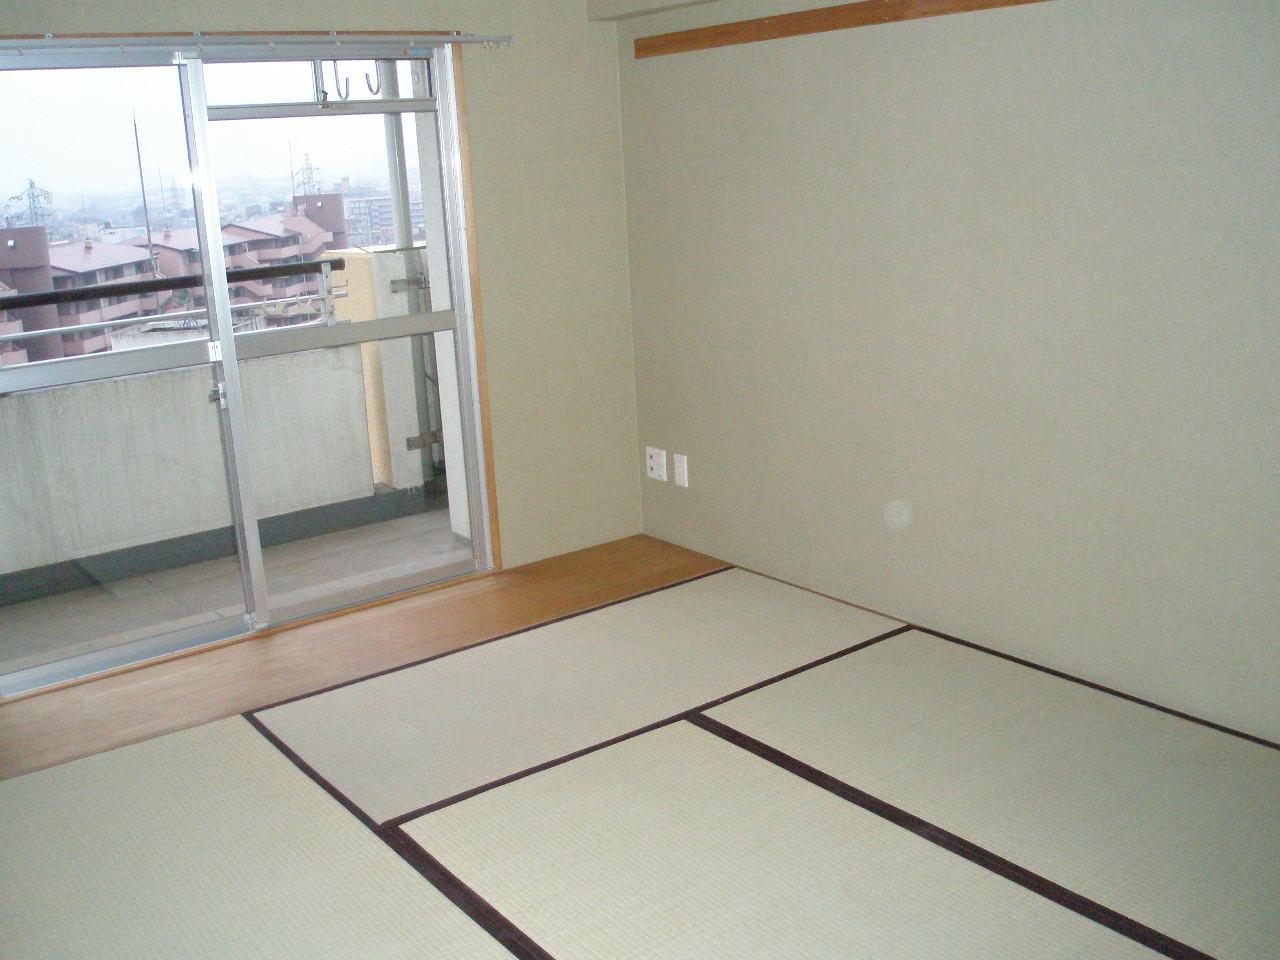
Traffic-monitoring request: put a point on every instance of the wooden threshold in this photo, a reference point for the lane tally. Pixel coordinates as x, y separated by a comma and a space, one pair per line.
50, 727
843, 16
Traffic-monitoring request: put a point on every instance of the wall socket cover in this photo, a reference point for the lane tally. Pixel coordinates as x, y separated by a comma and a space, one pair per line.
680, 464
655, 463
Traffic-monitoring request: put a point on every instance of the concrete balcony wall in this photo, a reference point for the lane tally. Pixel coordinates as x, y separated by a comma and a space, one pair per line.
120, 463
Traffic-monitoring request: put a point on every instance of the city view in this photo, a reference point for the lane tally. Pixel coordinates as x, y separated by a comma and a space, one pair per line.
117, 238
289, 190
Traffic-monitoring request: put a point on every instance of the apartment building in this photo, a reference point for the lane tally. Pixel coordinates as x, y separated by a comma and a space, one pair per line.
86, 263
371, 219
10, 352
173, 252
259, 242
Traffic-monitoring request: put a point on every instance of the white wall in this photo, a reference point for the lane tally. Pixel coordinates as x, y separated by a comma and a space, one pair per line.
1019, 268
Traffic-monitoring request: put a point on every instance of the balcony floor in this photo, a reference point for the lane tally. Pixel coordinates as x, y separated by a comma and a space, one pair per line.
70, 624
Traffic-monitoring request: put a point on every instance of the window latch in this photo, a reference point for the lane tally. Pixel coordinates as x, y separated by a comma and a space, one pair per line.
417, 282
218, 394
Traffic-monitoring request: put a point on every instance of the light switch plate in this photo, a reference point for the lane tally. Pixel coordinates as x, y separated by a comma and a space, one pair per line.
680, 464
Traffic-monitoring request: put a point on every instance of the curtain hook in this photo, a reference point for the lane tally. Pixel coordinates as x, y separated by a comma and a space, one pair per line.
342, 90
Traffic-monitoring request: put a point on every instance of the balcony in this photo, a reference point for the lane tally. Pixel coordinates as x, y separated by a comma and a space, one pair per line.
261, 289
276, 254
127, 532
129, 307
241, 260
11, 354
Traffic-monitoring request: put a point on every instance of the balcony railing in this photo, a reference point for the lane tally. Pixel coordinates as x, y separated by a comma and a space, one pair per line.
244, 276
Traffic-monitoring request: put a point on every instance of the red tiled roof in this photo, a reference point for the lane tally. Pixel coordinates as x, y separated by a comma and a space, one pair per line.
183, 238
270, 226
76, 256
308, 229
282, 228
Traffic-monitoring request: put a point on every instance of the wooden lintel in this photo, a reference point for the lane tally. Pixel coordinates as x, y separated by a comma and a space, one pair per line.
841, 17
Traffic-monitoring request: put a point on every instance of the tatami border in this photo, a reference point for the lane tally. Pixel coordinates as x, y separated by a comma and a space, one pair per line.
667, 721
479, 910
519, 944
1252, 738
1091, 909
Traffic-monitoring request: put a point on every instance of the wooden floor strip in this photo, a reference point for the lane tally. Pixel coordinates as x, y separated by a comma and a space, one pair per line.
48, 728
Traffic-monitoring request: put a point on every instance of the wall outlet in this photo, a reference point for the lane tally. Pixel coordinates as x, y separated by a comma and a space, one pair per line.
655, 463
680, 463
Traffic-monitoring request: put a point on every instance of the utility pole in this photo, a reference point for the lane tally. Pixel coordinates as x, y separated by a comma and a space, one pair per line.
39, 204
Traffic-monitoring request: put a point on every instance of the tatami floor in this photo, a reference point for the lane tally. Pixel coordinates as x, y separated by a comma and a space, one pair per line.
726, 767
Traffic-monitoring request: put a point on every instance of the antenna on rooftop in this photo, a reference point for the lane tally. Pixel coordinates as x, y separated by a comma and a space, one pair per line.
146, 210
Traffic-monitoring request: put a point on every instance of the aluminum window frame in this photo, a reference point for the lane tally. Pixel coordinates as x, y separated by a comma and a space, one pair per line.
435, 95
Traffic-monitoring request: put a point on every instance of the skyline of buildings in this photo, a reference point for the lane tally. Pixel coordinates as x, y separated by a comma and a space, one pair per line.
87, 249
30, 262
115, 215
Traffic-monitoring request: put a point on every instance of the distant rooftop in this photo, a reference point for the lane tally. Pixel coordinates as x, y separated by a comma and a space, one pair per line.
184, 238
280, 227
85, 256
270, 226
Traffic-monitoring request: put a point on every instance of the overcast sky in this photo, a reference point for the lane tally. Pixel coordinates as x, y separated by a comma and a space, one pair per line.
72, 130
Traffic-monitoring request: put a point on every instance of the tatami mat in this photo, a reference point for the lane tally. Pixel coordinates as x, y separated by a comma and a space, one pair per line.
1166, 821
401, 741
207, 844
677, 845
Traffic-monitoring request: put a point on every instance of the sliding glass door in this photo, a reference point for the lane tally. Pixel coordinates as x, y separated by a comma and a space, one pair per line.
237, 383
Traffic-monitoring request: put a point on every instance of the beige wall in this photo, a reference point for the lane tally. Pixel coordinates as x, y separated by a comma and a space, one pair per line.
1018, 268
551, 227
